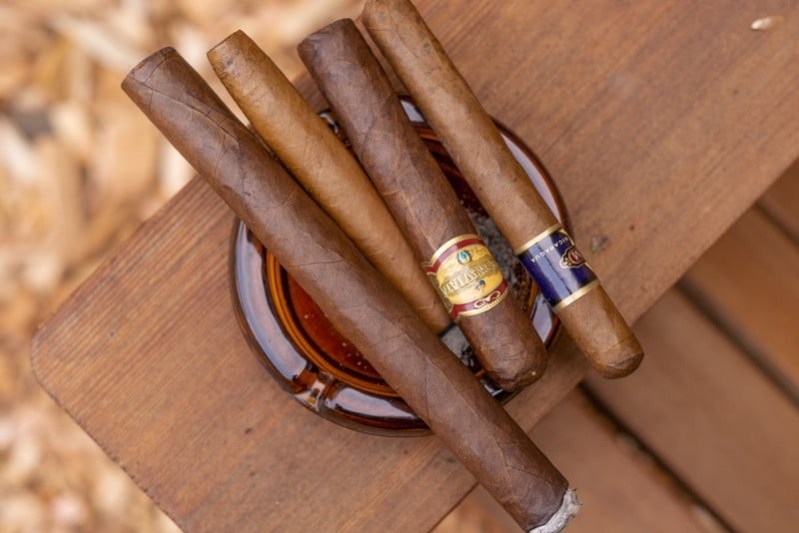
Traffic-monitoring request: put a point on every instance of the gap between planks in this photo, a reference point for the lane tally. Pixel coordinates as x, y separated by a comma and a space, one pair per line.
747, 285
623, 489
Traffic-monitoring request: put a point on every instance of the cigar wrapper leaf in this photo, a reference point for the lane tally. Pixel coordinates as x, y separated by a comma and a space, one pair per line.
348, 289
321, 163
424, 204
476, 147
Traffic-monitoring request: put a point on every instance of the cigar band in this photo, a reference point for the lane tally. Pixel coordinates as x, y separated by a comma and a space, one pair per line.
558, 267
467, 276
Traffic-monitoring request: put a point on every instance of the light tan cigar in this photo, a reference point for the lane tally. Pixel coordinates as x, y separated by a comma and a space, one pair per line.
321, 163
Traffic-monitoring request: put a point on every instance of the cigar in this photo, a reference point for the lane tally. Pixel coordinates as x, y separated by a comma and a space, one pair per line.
476, 146
350, 291
321, 163
417, 193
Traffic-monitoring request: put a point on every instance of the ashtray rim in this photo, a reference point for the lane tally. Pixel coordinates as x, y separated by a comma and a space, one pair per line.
255, 298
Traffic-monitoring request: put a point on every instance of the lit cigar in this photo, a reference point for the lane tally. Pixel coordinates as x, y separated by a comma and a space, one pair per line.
350, 291
318, 160
426, 207
475, 144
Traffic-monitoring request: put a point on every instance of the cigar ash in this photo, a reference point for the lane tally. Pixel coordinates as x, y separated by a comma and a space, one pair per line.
321, 368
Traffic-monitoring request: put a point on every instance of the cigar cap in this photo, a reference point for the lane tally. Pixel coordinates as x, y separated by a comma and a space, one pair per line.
149, 64
334, 28
603, 336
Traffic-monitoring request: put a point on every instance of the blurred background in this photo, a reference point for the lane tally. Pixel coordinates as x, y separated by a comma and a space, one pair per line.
80, 169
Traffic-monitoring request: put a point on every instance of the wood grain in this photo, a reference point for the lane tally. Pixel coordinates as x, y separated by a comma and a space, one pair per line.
719, 424
643, 132
748, 283
622, 491
202, 428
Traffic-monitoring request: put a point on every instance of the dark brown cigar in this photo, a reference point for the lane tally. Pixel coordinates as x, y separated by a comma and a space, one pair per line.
426, 207
318, 160
348, 289
475, 144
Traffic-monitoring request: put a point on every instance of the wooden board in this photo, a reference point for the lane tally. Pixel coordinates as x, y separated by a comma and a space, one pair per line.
638, 111
202, 427
748, 283
703, 407
622, 491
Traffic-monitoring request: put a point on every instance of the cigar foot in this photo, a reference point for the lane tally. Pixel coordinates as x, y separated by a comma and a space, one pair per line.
602, 334
621, 368
568, 509
518, 379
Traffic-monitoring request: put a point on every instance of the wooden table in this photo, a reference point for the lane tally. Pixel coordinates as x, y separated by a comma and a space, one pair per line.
661, 122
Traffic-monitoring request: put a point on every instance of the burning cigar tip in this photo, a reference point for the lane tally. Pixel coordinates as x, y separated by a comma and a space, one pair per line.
569, 508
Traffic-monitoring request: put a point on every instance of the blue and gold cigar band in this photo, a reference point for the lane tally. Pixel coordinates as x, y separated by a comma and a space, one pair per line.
467, 276
558, 267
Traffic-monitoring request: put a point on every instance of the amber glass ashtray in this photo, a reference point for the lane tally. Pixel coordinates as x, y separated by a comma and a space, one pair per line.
317, 364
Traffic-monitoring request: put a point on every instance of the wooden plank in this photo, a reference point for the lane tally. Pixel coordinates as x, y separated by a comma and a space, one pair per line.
748, 283
641, 129
781, 202
719, 424
639, 135
621, 489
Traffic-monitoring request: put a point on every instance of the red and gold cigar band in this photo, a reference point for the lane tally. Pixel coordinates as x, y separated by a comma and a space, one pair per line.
466, 276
